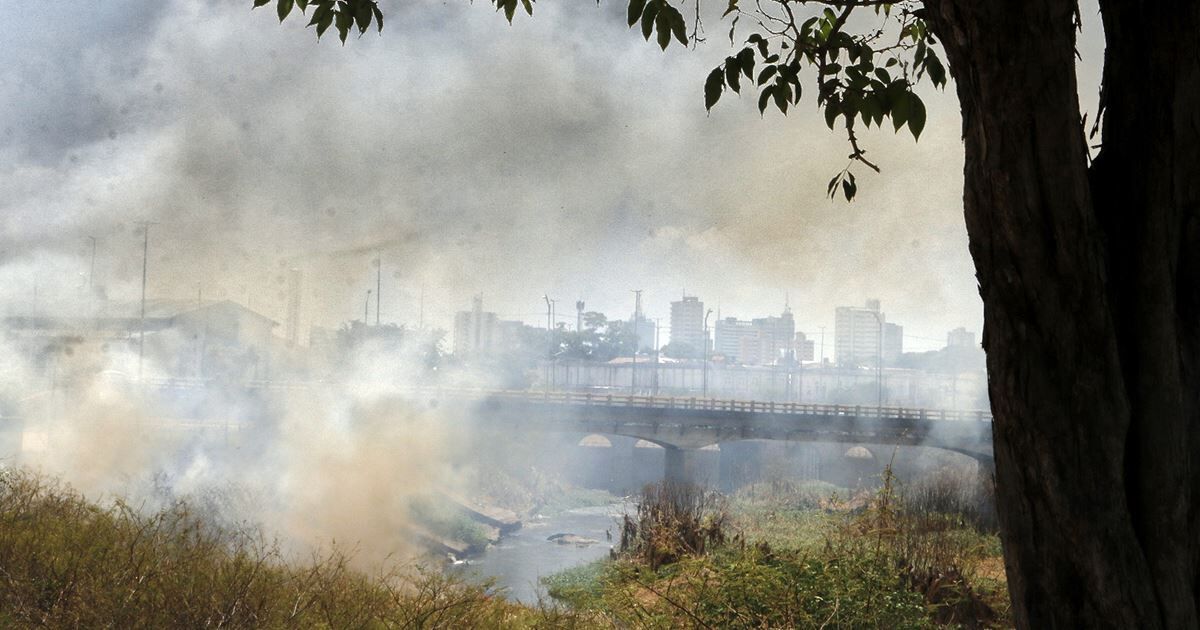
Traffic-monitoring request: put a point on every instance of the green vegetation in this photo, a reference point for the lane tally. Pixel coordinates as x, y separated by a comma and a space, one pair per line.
444, 519
774, 555
798, 555
70, 563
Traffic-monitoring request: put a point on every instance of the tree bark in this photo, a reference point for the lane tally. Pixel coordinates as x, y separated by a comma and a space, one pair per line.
1089, 279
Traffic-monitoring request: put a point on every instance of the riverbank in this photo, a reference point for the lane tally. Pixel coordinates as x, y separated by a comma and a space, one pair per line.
806, 555
875, 559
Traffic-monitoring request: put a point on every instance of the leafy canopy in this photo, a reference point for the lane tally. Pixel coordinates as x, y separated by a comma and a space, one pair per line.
859, 78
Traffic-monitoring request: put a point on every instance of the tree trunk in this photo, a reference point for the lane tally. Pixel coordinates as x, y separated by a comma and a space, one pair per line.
1090, 281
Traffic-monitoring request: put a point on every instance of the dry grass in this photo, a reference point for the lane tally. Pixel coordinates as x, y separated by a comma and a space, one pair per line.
66, 562
674, 520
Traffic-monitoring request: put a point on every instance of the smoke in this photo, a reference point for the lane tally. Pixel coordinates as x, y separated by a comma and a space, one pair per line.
558, 155
314, 465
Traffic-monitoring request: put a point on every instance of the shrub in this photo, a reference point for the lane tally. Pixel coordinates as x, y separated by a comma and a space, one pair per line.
674, 520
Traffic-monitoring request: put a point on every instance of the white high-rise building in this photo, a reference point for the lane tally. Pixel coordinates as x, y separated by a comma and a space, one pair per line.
474, 330
858, 332
687, 324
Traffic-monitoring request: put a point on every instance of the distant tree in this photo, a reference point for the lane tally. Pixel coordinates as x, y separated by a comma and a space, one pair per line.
681, 350
1088, 263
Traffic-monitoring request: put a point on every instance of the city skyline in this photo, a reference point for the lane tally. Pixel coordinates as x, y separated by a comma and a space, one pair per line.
589, 192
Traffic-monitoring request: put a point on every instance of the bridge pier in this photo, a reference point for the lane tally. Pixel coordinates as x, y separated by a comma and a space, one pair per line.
680, 464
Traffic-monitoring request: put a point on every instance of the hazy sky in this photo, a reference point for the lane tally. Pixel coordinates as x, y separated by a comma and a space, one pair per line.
561, 155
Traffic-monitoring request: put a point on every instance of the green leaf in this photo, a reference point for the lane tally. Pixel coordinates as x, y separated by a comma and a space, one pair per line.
635, 11
935, 70
284, 8
731, 74
746, 62
733, 6
326, 20
900, 110
764, 97
781, 97
362, 16
662, 24
766, 74
713, 87
831, 113
916, 116
303, 4
259, 3
319, 13
648, 18
678, 26
832, 185
344, 22
378, 17
510, 9
528, 4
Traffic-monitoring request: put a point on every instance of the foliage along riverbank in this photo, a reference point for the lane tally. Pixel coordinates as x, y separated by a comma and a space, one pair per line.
797, 555
780, 556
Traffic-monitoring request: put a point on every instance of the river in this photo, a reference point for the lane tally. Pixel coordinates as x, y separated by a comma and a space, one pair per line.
519, 559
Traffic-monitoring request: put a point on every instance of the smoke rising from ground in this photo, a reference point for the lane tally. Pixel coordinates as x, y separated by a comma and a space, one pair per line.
324, 465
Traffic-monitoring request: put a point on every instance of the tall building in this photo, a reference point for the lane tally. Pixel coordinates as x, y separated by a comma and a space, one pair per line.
760, 341
474, 330
642, 327
893, 342
733, 336
687, 323
775, 337
960, 337
856, 334
806, 349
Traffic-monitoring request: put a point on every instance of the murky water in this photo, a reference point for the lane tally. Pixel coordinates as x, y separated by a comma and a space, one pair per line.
521, 558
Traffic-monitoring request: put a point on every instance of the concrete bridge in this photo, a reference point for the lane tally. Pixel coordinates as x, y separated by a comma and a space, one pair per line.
683, 425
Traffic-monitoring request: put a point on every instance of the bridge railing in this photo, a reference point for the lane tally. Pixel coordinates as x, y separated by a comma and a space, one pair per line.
610, 399
719, 404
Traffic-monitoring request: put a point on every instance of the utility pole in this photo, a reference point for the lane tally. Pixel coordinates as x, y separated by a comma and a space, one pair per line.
637, 314
549, 337
878, 363
656, 346
378, 284
142, 320
367, 308
705, 343
92, 270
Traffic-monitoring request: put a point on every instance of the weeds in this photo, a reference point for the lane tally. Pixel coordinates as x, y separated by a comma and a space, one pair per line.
674, 520
65, 562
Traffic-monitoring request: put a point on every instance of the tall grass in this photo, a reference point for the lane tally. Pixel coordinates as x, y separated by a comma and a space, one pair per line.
674, 520
66, 562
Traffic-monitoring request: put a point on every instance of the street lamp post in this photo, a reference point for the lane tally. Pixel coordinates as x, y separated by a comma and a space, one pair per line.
549, 337
637, 320
878, 364
656, 346
142, 320
92, 270
704, 341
